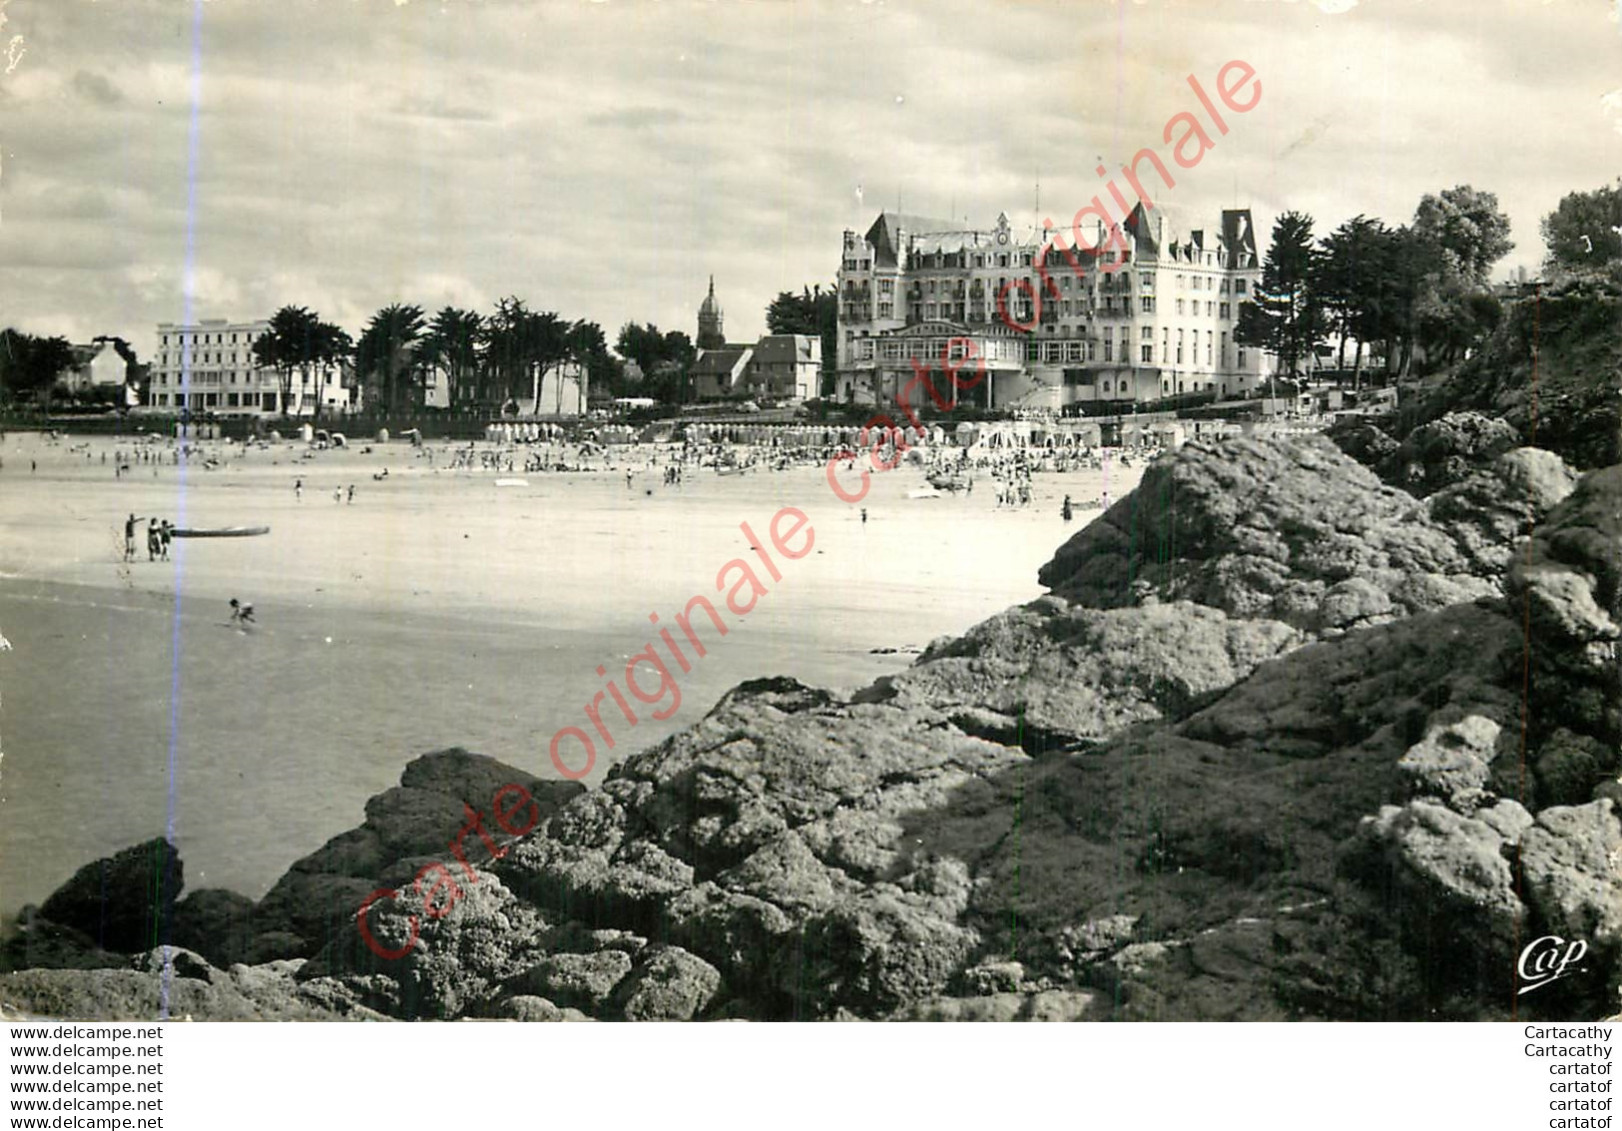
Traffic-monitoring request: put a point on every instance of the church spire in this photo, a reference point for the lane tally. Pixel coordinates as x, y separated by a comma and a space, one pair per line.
710, 335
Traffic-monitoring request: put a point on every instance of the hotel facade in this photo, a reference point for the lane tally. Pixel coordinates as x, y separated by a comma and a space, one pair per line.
209, 366
1149, 316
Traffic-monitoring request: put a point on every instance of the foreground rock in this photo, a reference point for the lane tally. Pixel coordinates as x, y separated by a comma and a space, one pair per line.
1293, 531
121, 902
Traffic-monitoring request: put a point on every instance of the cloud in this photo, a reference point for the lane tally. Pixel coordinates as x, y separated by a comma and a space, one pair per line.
637, 117
602, 160
96, 88
419, 105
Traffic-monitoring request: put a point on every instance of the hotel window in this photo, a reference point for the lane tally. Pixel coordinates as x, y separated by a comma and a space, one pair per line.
1238, 286
1148, 302
1223, 287
1148, 333
1148, 354
1147, 282
1165, 344
1002, 261
1064, 308
1092, 351
1179, 347
1222, 309
1109, 350
1180, 306
1208, 347
886, 286
1180, 283
1241, 357
1208, 309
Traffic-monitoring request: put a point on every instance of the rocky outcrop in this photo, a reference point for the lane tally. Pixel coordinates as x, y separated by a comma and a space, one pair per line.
1051, 673
1443, 451
405, 827
1291, 530
121, 903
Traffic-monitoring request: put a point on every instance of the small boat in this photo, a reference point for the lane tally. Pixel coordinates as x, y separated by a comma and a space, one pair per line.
218, 531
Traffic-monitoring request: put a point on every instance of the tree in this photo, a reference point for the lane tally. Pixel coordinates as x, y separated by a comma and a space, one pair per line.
452, 344
388, 357
505, 351
814, 312
31, 365
1469, 228
644, 345
589, 348
297, 341
1585, 232
1284, 319
284, 344
546, 339
1348, 284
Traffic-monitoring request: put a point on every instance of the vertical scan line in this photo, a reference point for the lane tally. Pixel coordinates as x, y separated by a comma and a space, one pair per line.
1526, 633
1019, 820
195, 91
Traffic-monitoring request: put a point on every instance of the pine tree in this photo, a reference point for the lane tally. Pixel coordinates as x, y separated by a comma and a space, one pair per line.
1285, 319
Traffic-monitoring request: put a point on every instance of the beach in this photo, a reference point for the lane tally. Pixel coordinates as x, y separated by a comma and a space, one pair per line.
437, 609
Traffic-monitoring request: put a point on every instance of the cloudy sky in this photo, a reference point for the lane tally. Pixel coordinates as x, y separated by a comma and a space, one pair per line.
166, 159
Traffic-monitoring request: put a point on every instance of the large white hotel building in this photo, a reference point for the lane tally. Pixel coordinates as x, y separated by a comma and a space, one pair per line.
209, 366
1155, 319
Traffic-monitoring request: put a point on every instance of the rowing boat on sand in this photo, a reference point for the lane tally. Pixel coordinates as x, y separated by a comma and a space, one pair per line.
218, 531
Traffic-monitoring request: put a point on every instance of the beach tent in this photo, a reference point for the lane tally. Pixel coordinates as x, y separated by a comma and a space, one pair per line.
339, 441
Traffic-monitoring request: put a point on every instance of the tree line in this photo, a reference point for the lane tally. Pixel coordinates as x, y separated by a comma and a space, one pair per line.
1366, 284
488, 360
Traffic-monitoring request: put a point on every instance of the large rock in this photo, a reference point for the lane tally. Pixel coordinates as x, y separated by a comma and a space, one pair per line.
1289, 530
1049, 672
1447, 880
769, 841
1571, 862
419, 821
1568, 590
1448, 449
671, 985
125, 902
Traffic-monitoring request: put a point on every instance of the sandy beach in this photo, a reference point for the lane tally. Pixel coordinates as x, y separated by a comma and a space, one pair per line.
437, 609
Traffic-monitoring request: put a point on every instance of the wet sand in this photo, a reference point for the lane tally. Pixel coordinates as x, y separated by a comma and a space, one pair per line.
438, 609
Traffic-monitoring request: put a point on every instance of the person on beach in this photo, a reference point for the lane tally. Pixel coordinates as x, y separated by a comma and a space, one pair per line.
241, 611
129, 537
154, 540
298, 490
1064, 511
166, 531
351, 492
